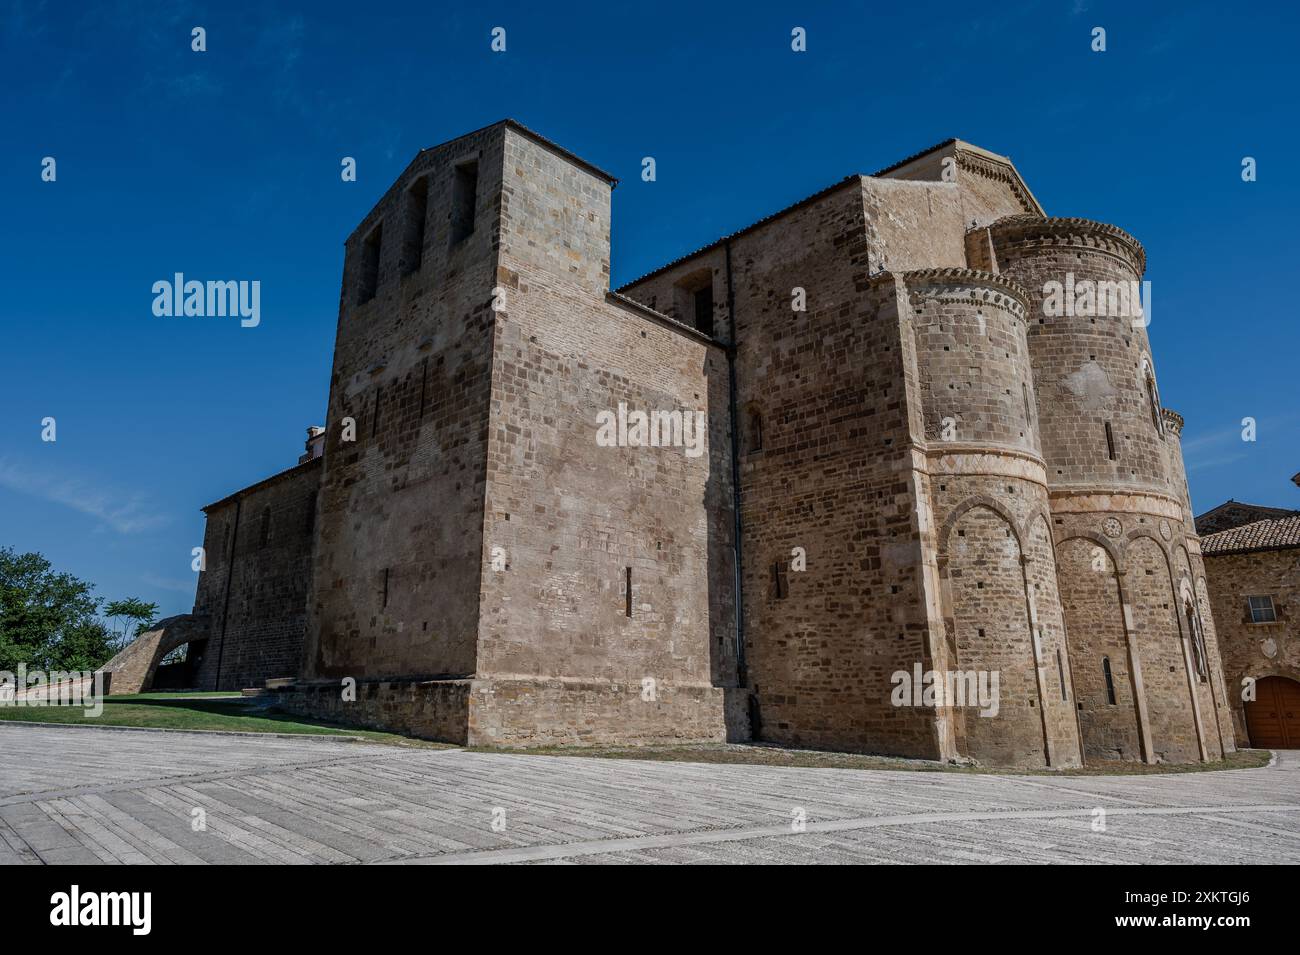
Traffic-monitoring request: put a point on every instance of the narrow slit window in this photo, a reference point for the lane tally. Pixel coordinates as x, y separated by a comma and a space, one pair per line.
1024, 393
780, 582
627, 587
755, 430
374, 420
385, 586
1110, 680
417, 210
703, 299
464, 192
368, 280
1060, 670
1110, 441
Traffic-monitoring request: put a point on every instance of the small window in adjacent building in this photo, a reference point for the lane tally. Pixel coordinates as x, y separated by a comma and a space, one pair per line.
780, 582
627, 586
1261, 610
1110, 680
703, 299
368, 277
464, 193
417, 208
755, 430
1110, 442
264, 537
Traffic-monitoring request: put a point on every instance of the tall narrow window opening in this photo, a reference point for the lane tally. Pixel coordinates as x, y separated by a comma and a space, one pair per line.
417, 209
1110, 680
1110, 442
627, 586
368, 277
703, 300
464, 192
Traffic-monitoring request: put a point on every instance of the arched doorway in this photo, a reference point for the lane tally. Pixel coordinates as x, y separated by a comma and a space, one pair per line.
1273, 717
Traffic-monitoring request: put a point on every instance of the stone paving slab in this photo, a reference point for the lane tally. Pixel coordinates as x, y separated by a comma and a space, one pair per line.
86, 797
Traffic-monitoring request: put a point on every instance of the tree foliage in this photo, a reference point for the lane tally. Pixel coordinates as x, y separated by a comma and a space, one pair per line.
48, 620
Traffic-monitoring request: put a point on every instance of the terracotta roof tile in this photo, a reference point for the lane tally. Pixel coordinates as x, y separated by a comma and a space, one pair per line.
1261, 535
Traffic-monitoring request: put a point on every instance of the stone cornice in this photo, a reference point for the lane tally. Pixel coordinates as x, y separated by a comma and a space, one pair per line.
1072, 232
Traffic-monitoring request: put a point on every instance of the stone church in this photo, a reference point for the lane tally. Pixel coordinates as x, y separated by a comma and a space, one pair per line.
915, 464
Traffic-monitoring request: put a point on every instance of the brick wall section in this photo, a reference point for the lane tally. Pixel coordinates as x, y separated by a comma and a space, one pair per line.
1231, 578
257, 632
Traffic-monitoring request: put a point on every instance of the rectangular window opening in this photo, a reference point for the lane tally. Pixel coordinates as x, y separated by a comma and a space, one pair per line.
627, 586
780, 582
1110, 442
368, 279
464, 192
703, 299
417, 208
1262, 610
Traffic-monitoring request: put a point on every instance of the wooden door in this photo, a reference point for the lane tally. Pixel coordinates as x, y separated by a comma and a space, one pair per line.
1273, 718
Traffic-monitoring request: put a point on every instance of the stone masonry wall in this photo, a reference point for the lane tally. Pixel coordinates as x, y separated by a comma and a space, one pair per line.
400, 540
1255, 649
260, 543
564, 650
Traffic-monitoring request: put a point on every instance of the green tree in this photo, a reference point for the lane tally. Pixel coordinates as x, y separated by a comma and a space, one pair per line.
47, 619
132, 608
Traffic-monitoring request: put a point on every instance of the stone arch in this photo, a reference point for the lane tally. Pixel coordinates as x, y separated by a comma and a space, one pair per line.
1158, 632
989, 636
1114, 551
1092, 605
1056, 689
132, 669
978, 500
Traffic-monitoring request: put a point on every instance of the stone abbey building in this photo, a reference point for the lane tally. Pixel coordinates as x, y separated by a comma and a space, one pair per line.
912, 461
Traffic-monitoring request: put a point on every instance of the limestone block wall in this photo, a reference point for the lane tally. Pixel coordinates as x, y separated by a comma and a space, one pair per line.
397, 563
1255, 650
986, 490
253, 590
826, 472
1116, 481
567, 653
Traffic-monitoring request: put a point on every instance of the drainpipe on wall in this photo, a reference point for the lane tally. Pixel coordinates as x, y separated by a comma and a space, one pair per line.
742, 676
225, 602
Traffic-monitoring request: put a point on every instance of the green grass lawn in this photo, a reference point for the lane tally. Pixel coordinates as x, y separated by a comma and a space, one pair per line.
750, 754
207, 711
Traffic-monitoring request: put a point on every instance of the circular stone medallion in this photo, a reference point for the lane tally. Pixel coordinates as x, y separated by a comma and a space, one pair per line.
1112, 527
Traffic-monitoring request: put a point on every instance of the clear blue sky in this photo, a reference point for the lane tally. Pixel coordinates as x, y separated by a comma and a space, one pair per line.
225, 164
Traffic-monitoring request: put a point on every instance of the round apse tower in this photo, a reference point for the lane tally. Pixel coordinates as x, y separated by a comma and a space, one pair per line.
1118, 515
987, 490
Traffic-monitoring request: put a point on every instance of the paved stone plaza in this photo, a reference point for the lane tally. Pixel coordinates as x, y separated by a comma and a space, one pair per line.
88, 795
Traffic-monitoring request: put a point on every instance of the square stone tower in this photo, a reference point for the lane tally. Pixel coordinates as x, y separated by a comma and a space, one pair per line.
485, 568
